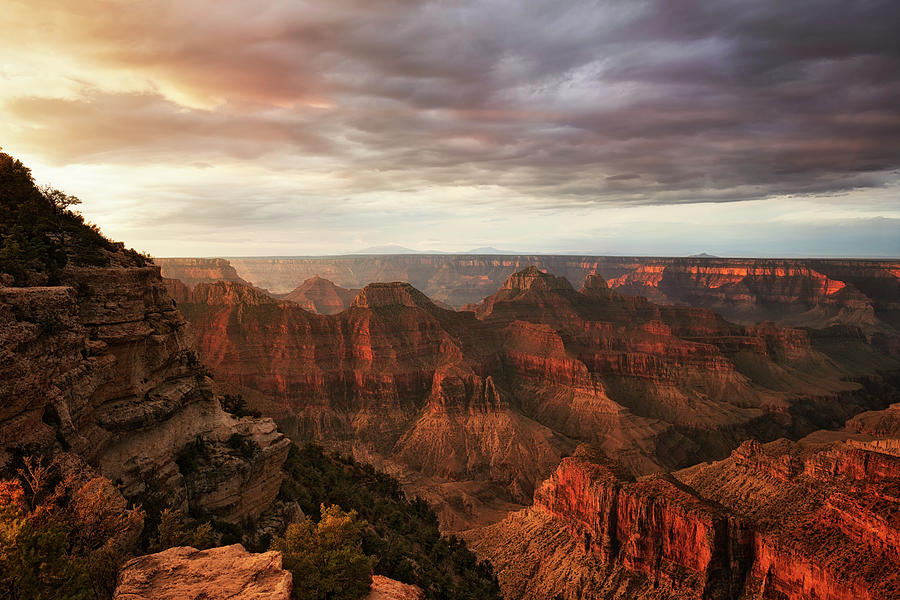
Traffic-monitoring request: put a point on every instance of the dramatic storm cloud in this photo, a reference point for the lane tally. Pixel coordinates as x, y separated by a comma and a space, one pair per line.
290, 127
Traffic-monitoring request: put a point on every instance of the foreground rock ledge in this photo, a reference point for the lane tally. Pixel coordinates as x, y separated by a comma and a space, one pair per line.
388, 589
186, 573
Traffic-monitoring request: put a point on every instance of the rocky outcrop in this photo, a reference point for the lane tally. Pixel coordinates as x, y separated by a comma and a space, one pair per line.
803, 292
192, 271
321, 296
814, 519
229, 572
657, 527
105, 367
226, 573
826, 519
388, 589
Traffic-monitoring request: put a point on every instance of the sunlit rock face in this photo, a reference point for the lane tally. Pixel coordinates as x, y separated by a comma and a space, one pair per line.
224, 573
105, 367
814, 519
474, 409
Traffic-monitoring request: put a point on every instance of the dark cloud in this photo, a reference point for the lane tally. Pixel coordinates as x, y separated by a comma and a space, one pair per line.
648, 101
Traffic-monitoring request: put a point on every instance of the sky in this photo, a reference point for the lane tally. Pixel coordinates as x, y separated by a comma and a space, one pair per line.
292, 127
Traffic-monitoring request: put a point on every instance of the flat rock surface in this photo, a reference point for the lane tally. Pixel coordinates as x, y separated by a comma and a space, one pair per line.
186, 573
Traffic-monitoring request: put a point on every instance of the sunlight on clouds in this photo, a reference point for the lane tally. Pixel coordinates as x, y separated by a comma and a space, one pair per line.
312, 127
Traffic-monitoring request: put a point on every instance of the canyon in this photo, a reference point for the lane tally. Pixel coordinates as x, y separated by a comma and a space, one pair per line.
619, 440
116, 441
472, 410
589, 443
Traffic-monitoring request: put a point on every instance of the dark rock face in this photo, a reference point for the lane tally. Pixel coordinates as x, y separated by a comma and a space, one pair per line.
105, 367
474, 409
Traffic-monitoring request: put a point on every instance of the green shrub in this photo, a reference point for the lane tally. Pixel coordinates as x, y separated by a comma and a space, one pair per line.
326, 558
60, 538
237, 406
401, 534
172, 531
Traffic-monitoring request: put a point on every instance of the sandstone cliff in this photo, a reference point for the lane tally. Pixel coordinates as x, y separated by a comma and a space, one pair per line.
815, 519
192, 271
105, 367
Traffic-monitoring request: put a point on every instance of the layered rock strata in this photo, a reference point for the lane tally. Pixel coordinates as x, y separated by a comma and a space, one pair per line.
192, 271
321, 296
105, 368
806, 292
474, 409
815, 519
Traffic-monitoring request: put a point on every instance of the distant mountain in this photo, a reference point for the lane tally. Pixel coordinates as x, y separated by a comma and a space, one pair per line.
392, 249
703, 255
396, 249
488, 250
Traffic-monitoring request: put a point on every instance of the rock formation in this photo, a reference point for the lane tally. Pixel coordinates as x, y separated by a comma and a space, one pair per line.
474, 409
388, 589
800, 292
814, 519
225, 573
191, 271
321, 296
105, 368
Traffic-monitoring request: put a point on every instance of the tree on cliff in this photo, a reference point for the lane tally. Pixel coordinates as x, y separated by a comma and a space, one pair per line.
326, 558
39, 234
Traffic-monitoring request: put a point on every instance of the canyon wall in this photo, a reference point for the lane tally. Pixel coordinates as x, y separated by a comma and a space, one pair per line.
192, 271
792, 521
104, 367
805, 292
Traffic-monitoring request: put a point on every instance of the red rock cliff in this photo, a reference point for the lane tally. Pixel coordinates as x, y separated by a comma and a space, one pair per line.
796, 292
792, 521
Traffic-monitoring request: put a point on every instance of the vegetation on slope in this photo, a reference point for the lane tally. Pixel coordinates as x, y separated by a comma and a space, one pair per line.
326, 558
61, 537
39, 234
401, 534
